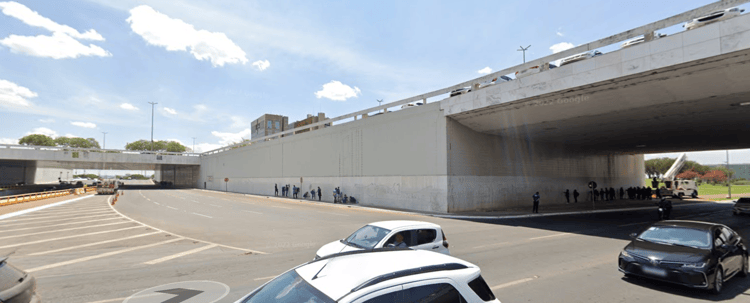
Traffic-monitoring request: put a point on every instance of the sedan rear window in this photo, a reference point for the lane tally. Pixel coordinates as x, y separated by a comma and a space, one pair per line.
481, 289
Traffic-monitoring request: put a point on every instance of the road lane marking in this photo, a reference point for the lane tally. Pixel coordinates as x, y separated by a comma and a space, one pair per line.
131, 297
254, 212
69, 237
26, 228
214, 205
64, 211
279, 207
172, 207
551, 236
92, 244
182, 254
195, 201
264, 278
629, 224
516, 282
59, 230
197, 214
107, 254
37, 218
188, 238
157, 203
54, 220
488, 245
38, 208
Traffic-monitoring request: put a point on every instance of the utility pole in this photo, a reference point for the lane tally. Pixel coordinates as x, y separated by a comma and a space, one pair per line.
524, 52
104, 144
729, 183
193, 144
152, 124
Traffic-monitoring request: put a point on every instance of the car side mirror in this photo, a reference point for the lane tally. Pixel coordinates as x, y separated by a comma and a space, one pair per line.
633, 235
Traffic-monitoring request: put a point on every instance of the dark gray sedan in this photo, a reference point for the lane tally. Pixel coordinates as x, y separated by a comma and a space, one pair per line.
16, 286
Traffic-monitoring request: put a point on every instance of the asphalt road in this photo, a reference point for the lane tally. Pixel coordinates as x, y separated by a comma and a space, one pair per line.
87, 251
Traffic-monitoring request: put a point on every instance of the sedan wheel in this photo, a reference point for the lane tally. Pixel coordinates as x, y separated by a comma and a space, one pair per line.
694, 195
744, 271
718, 281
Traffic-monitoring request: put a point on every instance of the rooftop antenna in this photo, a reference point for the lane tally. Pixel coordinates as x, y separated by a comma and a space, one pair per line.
524, 52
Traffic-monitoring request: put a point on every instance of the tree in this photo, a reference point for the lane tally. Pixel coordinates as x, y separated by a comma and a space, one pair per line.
694, 166
145, 145
77, 142
175, 147
727, 172
37, 140
659, 166
714, 177
689, 175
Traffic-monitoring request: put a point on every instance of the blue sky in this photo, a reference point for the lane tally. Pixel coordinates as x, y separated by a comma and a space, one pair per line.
214, 66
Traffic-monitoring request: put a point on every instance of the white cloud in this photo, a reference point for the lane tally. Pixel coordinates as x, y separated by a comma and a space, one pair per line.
204, 147
485, 70
200, 107
84, 124
57, 46
230, 138
12, 94
560, 34
50, 120
8, 141
239, 122
70, 135
338, 91
43, 131
176, 35
170, 111
32, 18
128, 106
562, 46
262, 64
176, 140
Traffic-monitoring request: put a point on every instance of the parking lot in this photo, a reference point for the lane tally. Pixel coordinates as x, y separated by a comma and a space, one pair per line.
89, 251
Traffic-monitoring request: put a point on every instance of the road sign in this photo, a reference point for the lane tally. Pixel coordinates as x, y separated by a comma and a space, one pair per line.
226, 179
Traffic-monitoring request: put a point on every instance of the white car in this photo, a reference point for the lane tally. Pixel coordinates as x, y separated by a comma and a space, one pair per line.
532, 71
416, 234
381, 275
579, 57
713, 17
412, 104
460, 91
640, 40
501, 79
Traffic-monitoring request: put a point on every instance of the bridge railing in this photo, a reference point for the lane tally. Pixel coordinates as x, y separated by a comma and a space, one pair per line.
617, 38
97, 150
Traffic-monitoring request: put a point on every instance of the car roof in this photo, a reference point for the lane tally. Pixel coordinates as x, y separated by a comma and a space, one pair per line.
338, 276
688, 224
394, 224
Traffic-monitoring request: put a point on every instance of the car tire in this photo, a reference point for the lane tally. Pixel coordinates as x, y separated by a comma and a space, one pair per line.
718, 281
744, 270
680, 195
694, 195
734, 212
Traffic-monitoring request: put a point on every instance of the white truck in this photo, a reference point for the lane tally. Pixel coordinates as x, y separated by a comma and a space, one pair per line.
677, 188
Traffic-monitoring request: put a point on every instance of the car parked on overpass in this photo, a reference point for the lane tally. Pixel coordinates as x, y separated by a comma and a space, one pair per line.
716, 16
16, 286
580, 57
460, 91
379, 275
497, 80
532, 71
690, 253
742, 206
640, 40
414, 234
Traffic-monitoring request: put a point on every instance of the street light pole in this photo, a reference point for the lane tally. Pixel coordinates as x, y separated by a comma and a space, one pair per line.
104, 144
729, 184
524, 52
193, 144
152, 124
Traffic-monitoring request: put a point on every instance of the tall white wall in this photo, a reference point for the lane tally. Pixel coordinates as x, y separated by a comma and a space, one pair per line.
395, 160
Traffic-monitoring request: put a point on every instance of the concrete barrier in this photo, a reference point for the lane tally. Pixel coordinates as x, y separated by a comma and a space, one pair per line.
15, 199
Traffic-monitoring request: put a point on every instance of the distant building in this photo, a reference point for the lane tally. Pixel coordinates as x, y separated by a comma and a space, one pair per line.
307, 121
267, 125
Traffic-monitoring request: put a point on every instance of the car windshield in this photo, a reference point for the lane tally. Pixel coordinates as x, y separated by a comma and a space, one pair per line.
677, 236
367, 237
288, 288
743, 201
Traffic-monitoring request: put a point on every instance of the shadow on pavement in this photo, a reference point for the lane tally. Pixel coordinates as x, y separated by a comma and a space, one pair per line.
735, 287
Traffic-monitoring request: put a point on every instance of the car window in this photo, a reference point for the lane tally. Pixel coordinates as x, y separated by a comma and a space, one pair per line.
677, 235
481, 289
368, 236
434, 293
409, 237
288, 288
425, 236
394, 297
743, 201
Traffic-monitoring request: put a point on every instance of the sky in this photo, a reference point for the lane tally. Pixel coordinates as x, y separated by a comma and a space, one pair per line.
81, 68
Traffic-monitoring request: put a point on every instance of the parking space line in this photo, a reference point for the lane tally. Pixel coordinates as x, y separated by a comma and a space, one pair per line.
107, 254
214, 205
172, 207
59, 230
197, 214
551, 236
516, 282
60, 214
27, 219
488, 245
264, 278
92, 244
254, 212
63, 224
69, 237
54, 220
182, 254
64, 211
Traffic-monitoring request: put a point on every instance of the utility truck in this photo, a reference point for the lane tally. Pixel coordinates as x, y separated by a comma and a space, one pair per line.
673, 187
108, 187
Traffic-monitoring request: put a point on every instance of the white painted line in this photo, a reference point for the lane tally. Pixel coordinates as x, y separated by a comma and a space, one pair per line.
107, 254
188, 238
172, 207
214, 205
131, 297
638, 223
195, 201
31, 210
264, 278
157, 203
182, 254
63, 224
54, 220
62, 210
513, 283
59, 230
197, 214
279, 207
551, 236
46, 217
61, 214
69, 237
254, 212
92, 244
488, 245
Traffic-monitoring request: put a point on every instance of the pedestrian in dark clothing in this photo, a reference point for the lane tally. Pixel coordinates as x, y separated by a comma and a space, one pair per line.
622, 193
612, 193
320, 193
575, 195
276, 190
536, 203
603, 194
567, 196
283, 191
595, 194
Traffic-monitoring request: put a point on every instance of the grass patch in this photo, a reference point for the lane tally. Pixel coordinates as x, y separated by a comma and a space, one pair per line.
708, 189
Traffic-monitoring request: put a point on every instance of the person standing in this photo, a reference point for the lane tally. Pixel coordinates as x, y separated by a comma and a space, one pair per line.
575, 195
320, 194
595, 194
276, 190
536, 203
612, 193
567, 196
622, 193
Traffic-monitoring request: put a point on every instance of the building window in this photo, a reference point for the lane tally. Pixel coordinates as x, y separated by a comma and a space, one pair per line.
270, 124
278, 125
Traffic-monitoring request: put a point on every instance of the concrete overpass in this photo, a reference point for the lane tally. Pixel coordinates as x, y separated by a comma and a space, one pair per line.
42, 164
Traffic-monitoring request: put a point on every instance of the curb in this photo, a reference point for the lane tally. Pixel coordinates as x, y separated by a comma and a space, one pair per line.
26, 211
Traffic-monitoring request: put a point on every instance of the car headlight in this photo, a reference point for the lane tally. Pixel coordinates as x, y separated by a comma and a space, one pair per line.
694, 265
625, 254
